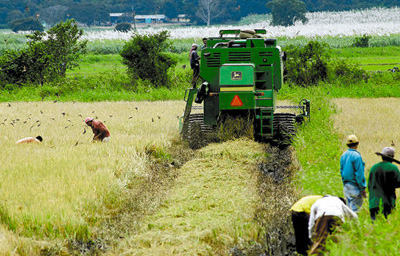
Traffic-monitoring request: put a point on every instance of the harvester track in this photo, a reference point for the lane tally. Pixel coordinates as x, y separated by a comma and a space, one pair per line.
197, 133
284, 128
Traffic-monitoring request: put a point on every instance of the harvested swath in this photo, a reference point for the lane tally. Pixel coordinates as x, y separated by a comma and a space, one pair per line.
210, 208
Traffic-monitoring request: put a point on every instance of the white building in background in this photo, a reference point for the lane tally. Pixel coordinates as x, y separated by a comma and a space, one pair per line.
148, 19
128, 17
118, 17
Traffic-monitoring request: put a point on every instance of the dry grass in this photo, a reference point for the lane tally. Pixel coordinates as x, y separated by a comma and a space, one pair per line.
374, 121
55, 190
210, 209
70, 189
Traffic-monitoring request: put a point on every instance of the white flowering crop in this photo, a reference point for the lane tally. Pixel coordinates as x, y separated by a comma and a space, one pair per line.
375, 21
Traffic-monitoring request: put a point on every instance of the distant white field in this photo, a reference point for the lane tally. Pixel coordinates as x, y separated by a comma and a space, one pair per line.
376, 21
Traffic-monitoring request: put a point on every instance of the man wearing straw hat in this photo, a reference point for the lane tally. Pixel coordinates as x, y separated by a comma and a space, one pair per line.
352, 172
384, 178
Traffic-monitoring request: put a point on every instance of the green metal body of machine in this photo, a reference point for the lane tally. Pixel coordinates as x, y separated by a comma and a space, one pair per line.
241, 74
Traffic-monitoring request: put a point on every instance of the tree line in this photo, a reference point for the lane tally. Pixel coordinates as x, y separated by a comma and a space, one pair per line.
96, 12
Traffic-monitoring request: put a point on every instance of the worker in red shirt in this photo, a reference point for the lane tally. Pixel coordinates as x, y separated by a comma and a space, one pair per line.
100, 131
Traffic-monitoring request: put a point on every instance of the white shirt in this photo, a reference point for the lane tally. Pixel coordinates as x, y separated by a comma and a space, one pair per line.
329, 206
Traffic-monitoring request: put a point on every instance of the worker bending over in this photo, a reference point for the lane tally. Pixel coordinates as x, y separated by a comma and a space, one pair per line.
100, 131
384, 178
326, 214
37, 139
352, 172
300, 216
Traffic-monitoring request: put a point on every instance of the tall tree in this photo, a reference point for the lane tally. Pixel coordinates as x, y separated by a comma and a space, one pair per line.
53, 14
89, 13
209, 9
287, 12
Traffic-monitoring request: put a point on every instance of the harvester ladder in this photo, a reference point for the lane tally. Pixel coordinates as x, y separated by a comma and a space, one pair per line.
266, 122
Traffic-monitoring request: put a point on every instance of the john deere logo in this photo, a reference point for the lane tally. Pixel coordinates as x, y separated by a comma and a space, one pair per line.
236, 75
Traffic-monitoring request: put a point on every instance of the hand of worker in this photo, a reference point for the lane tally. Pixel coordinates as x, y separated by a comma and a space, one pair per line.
364, 194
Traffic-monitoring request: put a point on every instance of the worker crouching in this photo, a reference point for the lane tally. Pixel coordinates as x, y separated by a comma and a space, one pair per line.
37, 139
100, 131
326, 214
300, 216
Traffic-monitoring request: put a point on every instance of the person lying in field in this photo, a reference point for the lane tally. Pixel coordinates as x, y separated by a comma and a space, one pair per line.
37, 139
100, 131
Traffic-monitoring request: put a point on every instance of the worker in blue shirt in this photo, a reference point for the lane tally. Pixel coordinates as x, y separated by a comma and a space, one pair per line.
352, 171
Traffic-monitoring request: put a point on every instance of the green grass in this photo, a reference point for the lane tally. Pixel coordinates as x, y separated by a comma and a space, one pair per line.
318, 148
103, 78
92, 65
370, 58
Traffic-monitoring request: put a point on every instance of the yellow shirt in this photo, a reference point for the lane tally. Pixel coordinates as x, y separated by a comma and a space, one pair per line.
305, 203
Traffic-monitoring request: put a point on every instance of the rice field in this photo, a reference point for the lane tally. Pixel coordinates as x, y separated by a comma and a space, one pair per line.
62, 191
374, 121
210, 209
56, 190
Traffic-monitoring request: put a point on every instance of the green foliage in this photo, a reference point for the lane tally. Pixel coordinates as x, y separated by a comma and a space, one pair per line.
123, 27
62, 44
350, 73
30, 65
14, 15
362, 41
48, 55
89, 13
26, 24
255, 18
287, 12
306, 65
146, 58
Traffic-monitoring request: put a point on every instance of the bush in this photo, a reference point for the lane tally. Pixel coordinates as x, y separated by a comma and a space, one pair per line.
27, 24
47, 57
146, 58
306, 65
348, 72
28, 65
123, 27
361, 41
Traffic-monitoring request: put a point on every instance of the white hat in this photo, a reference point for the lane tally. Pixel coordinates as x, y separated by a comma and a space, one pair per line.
388, 151
195, 45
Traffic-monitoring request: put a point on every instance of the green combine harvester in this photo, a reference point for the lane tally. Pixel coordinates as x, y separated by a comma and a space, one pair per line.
241, 73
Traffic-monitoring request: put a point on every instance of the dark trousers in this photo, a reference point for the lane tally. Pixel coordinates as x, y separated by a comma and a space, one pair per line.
387, 209
300, 226
196, 72
323, 227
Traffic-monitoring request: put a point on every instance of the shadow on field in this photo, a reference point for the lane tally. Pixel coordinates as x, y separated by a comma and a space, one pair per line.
273, 215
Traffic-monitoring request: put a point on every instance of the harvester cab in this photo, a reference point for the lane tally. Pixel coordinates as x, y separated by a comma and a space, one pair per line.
241, 73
